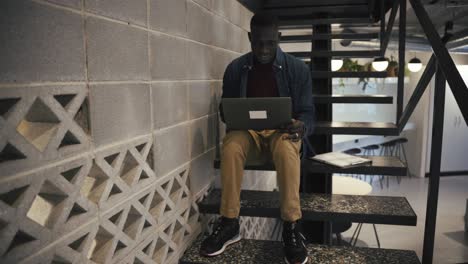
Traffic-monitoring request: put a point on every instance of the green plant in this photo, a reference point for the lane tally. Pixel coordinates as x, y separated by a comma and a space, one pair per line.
353, 66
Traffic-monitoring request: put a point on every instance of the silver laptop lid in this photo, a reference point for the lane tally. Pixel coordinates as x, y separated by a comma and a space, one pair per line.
257, 113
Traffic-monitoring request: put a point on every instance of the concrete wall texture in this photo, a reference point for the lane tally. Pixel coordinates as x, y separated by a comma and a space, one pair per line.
108, 117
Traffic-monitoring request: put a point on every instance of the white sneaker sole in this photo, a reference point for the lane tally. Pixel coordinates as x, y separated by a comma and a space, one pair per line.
229, 242
305, 261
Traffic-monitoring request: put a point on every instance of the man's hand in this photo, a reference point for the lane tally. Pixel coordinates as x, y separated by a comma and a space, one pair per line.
295, 129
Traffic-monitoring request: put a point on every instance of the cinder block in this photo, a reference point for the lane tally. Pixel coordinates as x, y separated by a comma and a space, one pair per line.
171, 149
169, 16
200, 23
122, 170
203, 98
220, 60
246, 16
43, 207
241, 40
206, 3
72, 248
169, 103
168, 57
200, 61
24, 142
119, 111
201, 172
203, 135
128, 11
69, 3
40, 43
116, 51
221, 33
130, 223
231, 10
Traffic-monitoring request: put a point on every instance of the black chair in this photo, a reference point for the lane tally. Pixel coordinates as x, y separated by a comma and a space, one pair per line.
353, 151
338, 228
370, 151
388, 149
401, 152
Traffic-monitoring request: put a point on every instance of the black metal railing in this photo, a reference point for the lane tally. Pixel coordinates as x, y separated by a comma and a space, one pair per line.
442, 65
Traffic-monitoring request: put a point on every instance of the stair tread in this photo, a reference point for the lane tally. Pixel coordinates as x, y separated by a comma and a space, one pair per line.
263, 251
294, 23
355, 99
341, 53
336, 74
356, 128
322, 207
308, 38
381, 165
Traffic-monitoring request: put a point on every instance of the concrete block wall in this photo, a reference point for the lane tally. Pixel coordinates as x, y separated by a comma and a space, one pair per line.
108, 118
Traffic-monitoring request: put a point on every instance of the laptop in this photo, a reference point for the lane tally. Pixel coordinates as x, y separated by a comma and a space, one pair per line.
257, 113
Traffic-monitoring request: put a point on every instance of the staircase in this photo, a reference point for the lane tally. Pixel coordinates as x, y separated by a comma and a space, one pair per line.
323, 206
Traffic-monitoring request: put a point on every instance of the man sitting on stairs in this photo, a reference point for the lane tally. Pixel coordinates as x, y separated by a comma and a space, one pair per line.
265, 72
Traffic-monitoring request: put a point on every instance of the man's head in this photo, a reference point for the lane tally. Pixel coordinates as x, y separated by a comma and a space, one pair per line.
264, 37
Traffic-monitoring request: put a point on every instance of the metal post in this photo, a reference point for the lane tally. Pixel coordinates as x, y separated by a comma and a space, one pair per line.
434, 174
388, 29
382, 22
319, 232
401, 58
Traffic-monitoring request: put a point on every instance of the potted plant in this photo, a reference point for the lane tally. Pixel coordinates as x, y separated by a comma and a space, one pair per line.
392, 69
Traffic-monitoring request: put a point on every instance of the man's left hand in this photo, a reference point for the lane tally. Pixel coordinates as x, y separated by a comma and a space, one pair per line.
295, 129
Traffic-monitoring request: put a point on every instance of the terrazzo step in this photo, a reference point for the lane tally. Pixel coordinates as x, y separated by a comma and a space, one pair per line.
322, 207
352, 99
271, 252
356, 128
381, 165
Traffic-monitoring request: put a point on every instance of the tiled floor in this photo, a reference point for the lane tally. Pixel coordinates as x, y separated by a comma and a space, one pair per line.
451, 243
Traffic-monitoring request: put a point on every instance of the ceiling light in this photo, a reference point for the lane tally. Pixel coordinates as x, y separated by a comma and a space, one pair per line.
380, 64
414, 65
336, 64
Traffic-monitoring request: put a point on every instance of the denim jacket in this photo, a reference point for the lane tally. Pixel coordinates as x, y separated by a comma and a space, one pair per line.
293, 80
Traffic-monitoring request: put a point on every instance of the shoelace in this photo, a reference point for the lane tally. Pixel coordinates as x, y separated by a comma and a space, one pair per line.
295, 238
217, 229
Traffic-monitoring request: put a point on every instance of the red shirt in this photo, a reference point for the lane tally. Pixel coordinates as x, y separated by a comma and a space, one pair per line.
262, 81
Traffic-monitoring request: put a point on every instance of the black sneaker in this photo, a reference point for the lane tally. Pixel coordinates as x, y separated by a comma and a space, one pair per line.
295, 251
225, 233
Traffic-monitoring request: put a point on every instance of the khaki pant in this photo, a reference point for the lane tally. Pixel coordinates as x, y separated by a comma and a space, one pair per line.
242, 146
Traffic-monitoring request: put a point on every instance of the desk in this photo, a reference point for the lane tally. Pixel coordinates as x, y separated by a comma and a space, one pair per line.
351, 186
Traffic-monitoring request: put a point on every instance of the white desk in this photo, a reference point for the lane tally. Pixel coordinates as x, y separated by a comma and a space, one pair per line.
348, 185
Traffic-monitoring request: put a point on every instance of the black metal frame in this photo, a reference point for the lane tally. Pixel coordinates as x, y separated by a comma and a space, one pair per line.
445, 71
448, 68
386, 36
418, 92
440, 64
401, 57
436, 158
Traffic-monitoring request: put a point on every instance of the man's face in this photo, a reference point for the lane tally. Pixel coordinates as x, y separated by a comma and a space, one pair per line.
264, 42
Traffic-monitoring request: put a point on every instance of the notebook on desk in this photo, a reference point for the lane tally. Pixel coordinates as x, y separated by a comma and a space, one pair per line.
341, 160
